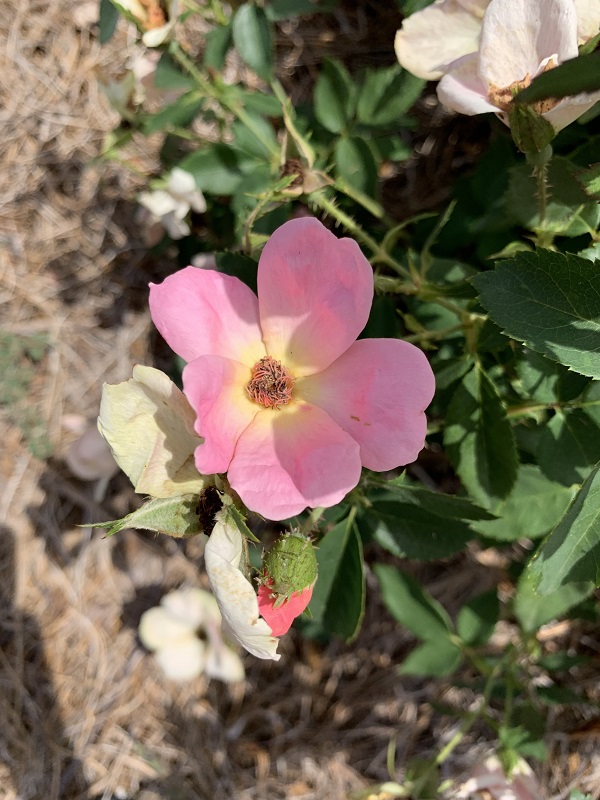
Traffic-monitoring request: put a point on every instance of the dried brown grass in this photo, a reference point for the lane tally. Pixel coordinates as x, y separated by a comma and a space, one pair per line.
84, 713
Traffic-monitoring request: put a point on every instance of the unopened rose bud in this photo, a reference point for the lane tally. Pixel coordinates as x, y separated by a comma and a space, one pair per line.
290, 565
289, 575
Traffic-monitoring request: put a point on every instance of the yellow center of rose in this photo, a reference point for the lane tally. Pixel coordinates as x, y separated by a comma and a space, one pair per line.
271, 383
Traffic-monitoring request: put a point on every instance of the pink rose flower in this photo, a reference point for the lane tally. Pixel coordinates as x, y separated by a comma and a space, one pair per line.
289, 405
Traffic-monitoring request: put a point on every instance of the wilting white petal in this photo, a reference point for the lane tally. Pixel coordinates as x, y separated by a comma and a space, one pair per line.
160, 629
517, 36
183, 661
569, 109
588, 19
181, 185
462, 90
193, 606
149, 426
175, 226
432, 38
159, 202
238, 603
223, 664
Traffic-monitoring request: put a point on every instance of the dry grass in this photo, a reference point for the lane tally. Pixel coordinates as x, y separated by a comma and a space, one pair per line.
84, 713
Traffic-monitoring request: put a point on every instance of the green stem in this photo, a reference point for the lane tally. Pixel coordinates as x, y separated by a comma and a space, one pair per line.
312, 519
541, 176
207, 87
427, 336
380, 256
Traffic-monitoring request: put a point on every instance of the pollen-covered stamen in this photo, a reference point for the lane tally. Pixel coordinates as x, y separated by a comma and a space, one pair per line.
271, 383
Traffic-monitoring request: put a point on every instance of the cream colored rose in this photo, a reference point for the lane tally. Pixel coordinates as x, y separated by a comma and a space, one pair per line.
149, 426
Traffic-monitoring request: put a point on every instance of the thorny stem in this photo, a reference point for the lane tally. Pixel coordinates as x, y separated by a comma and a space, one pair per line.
380, 256
541, 175
206, 86
312, 519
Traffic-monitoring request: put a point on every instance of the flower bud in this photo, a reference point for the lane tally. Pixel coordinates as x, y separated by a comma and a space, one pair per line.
290, 566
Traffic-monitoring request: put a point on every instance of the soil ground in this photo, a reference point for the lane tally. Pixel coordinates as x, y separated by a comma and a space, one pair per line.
84, 711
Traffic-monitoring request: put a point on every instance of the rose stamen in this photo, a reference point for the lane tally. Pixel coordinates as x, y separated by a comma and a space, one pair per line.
271, 383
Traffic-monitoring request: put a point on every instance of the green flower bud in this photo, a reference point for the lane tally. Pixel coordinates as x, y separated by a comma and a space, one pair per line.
290, 565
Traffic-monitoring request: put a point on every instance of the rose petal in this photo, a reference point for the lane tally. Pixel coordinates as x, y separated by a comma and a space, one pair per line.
517, 36
377, 392
159, 628
315, 293
588, 19
149, 426
570, 109
433, 38
215, 387
462, 90
183, 186
159, 202
280, 618
234, 593
201, 312
183, 661
194, 607
224, 664
293, 458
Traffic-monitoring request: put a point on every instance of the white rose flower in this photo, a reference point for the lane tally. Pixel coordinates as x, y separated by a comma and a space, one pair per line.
172, 204
171, 632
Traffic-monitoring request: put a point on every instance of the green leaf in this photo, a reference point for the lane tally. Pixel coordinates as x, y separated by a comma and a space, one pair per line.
216, 45
590, 180
215, 169
386, 94
526, 732
432, 658
335, 96
407, 531
390, 148
109, 16
176, 115
534, 610
412, 606
550, 301
168, 74
534, 507
569, 210
259, 142
284, 9
479, 439
338, 600
571, 554
238, 266
175, 516
569, 446
354, 161
548, 381
253, 39
448, 506
477, 619
577, 75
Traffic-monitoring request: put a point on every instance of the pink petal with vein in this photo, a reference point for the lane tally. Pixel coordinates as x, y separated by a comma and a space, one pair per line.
518, 35
377, 392
280, 619
202, 312
315, 293
215, 388
462, 90
293, 458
